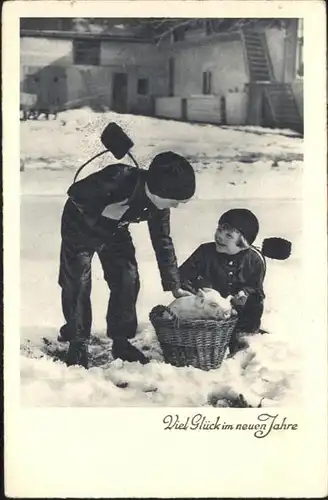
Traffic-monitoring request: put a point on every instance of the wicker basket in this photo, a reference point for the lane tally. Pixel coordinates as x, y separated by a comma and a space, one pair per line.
199, 343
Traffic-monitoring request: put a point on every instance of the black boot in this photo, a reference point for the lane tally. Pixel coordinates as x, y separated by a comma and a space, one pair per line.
64, 334
238, 344
78, 353
127, 352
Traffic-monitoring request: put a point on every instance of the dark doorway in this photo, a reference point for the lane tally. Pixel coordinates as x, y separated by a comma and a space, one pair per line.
120, 92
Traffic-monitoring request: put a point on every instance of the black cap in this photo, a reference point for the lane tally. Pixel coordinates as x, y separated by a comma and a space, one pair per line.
244, 220
171, 176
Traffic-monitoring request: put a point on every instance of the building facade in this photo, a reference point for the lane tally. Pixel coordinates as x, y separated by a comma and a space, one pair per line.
67, 69
252, 75
203, 71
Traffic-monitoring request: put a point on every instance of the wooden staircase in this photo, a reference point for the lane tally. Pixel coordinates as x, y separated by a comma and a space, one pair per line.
259, 63
279, 107
282, 106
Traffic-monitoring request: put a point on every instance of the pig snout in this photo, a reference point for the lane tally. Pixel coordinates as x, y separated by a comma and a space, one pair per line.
217, 312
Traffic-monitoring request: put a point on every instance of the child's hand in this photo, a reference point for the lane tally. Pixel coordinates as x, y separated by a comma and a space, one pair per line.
239, 299
180, 292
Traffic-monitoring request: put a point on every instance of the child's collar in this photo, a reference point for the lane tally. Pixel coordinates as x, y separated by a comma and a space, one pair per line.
229, 256
139, 193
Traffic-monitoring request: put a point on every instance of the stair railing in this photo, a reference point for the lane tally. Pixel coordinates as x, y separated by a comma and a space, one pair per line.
245, 53
289, 88
265, 52
266, 95
267, 55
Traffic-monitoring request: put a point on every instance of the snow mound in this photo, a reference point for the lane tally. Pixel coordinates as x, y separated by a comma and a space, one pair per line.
267, 373
75, 136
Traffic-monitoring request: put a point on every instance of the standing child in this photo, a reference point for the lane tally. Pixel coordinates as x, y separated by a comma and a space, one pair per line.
95, 219
232, 266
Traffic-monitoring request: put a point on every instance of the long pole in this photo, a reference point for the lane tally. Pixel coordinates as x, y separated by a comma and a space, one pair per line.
86, 163
134, 161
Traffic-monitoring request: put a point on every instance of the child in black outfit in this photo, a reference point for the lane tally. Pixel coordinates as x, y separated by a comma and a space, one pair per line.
232, 266
95, 219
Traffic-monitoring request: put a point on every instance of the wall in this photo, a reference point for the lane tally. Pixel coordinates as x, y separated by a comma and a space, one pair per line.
169, 107
45, 51
291, 45
43, 59
254, 106
36, 51
224, 58
290, 65
276, 45
93, 85
89, 85
204, 109
297, 86
236, 108
157, 79
127, 53
138, 60
43, 63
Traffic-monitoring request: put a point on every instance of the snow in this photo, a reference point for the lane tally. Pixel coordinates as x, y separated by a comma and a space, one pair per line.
249, 167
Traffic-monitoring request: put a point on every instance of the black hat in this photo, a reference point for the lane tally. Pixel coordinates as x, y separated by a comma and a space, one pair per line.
171, 176
244, 220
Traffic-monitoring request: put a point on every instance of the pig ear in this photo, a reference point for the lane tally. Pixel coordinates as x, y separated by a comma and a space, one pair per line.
205, 289
201, 293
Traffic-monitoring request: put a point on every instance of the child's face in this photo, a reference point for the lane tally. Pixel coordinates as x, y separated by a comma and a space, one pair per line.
162, 203
227, 240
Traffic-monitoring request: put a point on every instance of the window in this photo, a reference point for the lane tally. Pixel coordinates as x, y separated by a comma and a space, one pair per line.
299, 50
207, 82
86, 52
143, 84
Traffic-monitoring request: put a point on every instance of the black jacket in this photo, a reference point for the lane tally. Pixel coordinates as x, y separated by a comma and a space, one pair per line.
228, 274
113, 184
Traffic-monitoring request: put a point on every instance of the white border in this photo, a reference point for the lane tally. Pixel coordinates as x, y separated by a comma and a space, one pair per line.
125, 452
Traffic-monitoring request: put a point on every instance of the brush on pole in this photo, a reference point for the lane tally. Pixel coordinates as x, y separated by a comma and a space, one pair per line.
276, 248
116, 141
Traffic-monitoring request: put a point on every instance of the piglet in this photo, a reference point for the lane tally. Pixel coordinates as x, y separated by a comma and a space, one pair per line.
207, 304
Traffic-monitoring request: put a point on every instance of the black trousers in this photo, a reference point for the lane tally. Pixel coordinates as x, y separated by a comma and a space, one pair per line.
249, 320
117, 256
249, 316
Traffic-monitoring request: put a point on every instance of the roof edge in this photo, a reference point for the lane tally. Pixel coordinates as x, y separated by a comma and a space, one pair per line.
82, 36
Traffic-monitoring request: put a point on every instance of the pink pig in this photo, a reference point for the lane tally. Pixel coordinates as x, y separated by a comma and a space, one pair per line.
207, 304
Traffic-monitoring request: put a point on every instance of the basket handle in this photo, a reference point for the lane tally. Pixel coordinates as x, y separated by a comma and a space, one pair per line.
158, 311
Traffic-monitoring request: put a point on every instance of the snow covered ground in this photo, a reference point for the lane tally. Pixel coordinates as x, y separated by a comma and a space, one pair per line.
249, 167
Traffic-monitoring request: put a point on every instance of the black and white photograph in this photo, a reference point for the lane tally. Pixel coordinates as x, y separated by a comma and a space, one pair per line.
165, 249
163, 269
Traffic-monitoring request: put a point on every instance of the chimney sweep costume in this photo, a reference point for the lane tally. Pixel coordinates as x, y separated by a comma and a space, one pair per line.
96, 217
231, 274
